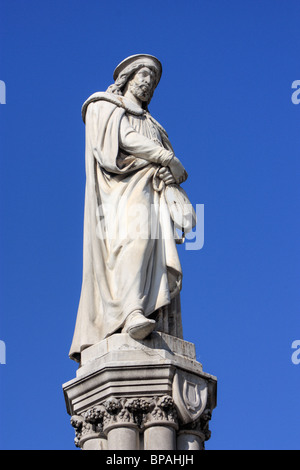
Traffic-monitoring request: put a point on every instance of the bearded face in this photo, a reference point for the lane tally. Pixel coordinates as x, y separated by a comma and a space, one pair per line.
142, 84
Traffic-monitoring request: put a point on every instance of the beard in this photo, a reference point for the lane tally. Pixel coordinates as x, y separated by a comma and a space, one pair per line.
141, 92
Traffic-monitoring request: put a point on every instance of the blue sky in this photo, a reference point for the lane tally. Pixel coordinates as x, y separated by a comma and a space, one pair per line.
225, 100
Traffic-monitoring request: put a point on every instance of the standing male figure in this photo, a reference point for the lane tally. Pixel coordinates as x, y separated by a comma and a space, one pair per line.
129, 160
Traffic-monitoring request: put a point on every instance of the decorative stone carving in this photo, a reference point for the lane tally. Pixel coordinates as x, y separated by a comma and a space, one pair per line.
97, 421
117, 413
139, 411
88, 425
204, 423
153, 389
83, 431
162, 411
190, 394
139, 408
77, 423
200, 426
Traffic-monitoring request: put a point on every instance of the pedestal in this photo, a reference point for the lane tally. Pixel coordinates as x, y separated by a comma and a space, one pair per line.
141, 395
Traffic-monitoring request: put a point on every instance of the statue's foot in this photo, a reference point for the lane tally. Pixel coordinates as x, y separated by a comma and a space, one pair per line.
138, 326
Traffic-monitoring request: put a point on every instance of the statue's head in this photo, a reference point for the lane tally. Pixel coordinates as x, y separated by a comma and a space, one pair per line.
140, 74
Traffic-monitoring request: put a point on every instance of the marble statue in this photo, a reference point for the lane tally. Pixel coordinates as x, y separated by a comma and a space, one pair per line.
139, 385
130, 284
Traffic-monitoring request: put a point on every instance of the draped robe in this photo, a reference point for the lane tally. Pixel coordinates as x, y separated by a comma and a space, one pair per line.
129, 261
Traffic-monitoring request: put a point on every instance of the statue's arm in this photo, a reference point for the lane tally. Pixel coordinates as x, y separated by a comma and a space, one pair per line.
140, 146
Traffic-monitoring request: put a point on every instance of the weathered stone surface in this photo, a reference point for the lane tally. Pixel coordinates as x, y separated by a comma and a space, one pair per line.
126, 388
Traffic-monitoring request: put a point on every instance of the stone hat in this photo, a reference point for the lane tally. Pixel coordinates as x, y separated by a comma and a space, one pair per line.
144, 59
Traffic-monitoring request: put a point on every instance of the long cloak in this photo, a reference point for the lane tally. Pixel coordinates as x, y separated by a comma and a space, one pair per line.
127, 265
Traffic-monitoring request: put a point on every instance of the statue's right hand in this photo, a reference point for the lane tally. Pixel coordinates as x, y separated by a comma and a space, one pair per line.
178, 170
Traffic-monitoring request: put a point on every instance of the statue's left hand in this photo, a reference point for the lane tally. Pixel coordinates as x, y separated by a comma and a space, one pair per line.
166, 176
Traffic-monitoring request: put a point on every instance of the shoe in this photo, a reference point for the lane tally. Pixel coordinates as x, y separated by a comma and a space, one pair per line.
138, 326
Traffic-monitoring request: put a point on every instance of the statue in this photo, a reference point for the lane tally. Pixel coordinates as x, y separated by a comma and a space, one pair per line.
130, 284
135, 388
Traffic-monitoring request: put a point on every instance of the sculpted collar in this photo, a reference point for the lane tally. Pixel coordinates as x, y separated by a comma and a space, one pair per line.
118, 100
121, 102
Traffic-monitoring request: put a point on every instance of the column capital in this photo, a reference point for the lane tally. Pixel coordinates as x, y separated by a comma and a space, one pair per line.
138, 413
118, 413
200, 427
88, 425
162, 412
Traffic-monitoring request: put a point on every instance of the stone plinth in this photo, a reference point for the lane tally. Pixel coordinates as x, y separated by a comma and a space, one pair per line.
141, 395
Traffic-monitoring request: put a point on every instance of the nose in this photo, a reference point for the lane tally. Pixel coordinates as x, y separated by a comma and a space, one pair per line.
147, 79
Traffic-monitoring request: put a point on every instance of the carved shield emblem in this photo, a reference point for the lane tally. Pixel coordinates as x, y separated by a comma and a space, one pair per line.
190, 395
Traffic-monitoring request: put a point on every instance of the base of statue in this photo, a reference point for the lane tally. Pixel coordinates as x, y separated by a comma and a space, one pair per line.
141, 395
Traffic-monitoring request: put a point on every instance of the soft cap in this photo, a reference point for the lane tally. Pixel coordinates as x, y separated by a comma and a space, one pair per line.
144, 59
